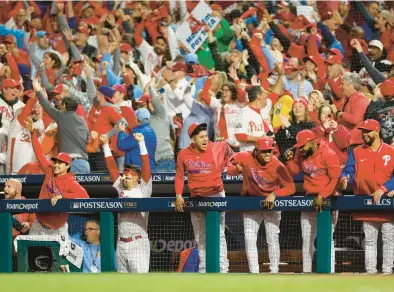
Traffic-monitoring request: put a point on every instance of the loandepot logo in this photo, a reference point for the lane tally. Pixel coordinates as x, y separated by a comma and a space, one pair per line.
22, 206
160, 245
212, 204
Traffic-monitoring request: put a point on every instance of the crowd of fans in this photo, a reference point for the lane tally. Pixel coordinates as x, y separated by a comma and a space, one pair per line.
86, 68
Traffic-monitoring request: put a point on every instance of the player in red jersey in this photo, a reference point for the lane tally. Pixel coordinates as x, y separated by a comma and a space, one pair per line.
58, 184
370, 167
263, 175
322, 170
204, 162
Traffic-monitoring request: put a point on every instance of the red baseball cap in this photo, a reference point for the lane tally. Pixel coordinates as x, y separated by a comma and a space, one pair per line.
58, 89
334, 60
120, 87
9, 39
336, 52
370, 125
143, 99
64, 157
125, 48
265, 144
301, 100
179, 67
313, 59
9, 83
304, 137
83, 30
193, 127
387, 87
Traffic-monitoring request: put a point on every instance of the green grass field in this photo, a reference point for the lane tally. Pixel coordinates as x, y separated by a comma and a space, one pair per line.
192, 283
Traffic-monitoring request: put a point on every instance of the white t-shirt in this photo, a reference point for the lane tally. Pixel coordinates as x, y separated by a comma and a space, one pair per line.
133, 223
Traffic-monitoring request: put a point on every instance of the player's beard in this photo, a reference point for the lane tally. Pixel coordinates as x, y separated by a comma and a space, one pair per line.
307, 153
369, 140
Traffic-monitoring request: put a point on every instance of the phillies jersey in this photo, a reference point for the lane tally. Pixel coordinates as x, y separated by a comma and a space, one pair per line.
133, 223
204, 169
262, 180
231, 112
252, 122
321, 170
371, 170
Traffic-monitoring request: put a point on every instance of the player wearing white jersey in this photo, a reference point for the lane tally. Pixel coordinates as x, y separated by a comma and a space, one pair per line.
133, 246
252, 124
19, 149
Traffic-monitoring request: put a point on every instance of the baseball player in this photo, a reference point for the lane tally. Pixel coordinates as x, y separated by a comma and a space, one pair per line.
370, 167
58, 184
204, 162
133, 246
322, 170
263, 175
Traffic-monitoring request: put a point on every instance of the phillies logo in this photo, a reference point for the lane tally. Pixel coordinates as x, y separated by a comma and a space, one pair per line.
386, 159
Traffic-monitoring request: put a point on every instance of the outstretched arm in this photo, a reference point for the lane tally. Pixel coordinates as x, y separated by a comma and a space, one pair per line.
109, 159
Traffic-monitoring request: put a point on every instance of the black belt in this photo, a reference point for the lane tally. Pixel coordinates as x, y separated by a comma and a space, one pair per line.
78, 158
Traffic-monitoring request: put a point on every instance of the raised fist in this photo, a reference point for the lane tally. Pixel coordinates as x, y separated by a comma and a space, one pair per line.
139, 137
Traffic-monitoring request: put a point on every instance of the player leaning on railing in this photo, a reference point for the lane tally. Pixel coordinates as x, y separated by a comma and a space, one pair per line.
263, 175
133, 247
58, 184
204, 162
370, 167
321, 169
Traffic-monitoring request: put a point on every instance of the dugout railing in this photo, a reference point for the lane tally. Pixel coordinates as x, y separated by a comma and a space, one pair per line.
212, 206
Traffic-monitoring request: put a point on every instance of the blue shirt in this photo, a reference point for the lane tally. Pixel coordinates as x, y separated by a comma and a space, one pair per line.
91, 256
293, 87
130, 145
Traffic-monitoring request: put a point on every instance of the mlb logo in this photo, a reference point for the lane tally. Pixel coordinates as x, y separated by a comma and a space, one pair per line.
75, 205
368, 202
171, 204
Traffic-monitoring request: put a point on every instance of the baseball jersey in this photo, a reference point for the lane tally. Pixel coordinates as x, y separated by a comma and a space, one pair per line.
19, 149
252, 122
321, 170
231, 112
204, 169
262, 180
131, 223
102, 119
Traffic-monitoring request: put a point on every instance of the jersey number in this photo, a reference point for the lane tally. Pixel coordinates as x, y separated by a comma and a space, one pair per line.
25, 138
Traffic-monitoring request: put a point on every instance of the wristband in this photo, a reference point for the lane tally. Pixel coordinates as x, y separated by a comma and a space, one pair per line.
178, 196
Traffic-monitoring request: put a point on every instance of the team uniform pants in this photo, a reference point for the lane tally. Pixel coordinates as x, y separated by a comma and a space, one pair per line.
371, 231
252, 222
38, 229
198, 222
309, 232
133, 256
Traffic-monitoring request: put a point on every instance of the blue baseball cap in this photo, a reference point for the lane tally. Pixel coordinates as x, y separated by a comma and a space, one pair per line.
42, 33
143, 115
191, 58
107, 91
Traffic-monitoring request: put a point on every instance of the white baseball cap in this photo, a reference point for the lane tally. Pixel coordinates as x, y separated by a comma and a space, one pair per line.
376, 43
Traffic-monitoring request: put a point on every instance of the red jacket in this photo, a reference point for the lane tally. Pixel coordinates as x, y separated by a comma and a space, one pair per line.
204, 169
338, 140
353, 113
65, 185
369, 171
259, 180
321, 170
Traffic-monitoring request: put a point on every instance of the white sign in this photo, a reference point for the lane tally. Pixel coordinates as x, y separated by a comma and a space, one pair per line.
307, 11
191, 33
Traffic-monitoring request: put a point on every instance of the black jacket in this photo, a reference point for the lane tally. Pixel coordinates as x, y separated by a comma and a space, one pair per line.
383, 112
